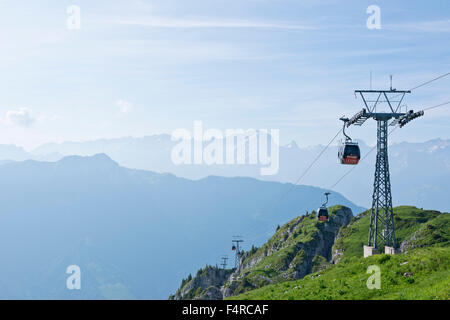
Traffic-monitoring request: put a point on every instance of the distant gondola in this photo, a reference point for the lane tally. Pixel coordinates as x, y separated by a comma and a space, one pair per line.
322, 212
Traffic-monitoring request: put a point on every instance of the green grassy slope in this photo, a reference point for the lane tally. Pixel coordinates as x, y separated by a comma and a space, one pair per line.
420, 274
407, 220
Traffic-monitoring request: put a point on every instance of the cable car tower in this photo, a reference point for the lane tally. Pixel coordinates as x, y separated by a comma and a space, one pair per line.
235, 247
382, 229
224, 261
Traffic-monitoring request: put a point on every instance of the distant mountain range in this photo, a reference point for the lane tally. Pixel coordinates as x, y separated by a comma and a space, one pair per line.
420, 172
134, 233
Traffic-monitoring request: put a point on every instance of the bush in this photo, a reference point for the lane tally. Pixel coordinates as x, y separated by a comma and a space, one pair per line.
383, 258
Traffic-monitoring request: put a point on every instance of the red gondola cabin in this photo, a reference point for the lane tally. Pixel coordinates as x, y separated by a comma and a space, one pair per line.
349, 153
322, 214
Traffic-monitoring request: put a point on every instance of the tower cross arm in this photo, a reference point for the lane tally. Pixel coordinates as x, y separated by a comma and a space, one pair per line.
383, 96
383, 91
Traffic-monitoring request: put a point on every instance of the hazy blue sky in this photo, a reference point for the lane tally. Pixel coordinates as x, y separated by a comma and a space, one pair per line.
143, 67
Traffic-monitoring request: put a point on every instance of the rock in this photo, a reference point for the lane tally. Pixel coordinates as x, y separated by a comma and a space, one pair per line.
205, 285
211, 293
408, 244
337, 253
408, 274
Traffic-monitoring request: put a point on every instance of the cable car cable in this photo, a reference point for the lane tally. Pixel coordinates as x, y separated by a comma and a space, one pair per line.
309, 167
373, 148
436, 106
427, 82
326, 147
303, 174
317, 157
341, 178
370, 151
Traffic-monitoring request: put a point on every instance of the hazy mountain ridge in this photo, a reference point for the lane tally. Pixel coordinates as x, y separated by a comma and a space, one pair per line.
411, 183
149, 227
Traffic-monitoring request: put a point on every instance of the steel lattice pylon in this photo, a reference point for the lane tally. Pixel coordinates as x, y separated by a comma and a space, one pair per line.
236, 241
381, 229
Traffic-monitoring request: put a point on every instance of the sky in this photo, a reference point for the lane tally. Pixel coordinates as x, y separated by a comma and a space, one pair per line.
137, 68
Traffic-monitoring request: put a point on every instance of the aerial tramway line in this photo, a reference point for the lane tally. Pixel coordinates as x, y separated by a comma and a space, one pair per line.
381, 229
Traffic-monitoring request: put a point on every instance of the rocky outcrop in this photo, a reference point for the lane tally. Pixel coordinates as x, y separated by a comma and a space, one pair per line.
434, 232
298, 248
337, 251
204, 286
409, 243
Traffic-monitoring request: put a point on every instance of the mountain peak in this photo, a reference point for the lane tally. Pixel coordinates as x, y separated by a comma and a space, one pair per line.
292, 145
99, 158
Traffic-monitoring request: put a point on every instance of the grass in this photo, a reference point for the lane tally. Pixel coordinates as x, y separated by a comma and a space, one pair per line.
420, 274
407, 220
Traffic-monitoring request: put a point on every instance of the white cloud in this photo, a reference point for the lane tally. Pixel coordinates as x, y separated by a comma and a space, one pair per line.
124, 106
424, 26
203, 23
21, 117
